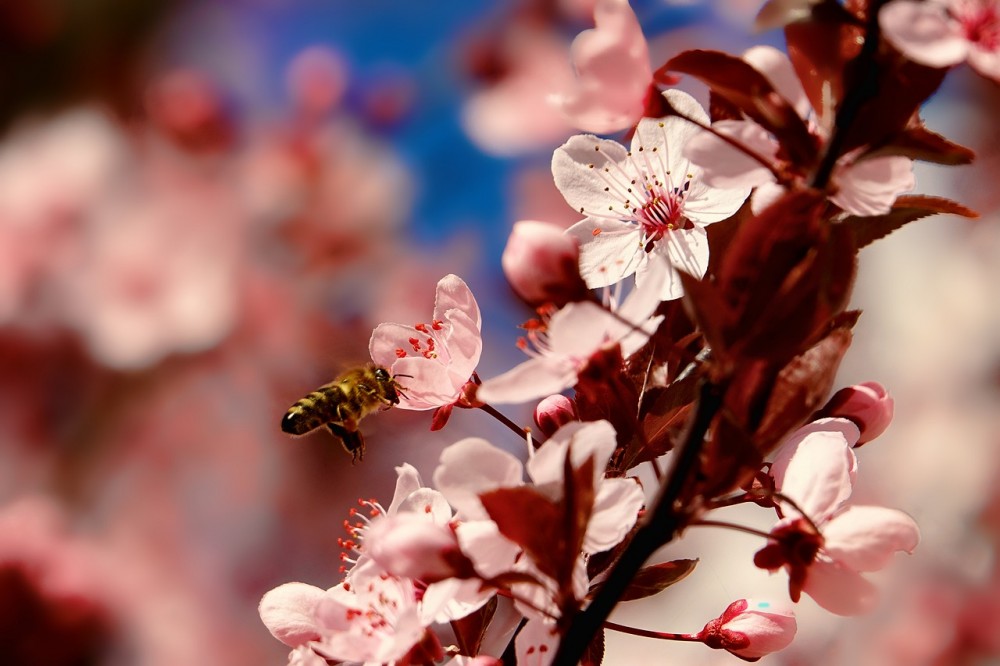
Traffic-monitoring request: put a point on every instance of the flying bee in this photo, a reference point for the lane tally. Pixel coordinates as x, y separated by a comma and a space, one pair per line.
342, 403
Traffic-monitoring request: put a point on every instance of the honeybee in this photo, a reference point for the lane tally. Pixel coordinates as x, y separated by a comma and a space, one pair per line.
342, 403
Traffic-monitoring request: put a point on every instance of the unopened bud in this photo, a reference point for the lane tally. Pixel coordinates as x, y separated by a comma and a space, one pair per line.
554, 412
869, 406
750, 629
542, 265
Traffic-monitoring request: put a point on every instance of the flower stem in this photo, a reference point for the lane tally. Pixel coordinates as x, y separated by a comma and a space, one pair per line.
646, 633
658, 527
516, 429
730, 526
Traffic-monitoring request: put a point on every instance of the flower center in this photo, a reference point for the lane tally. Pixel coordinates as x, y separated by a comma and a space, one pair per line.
980, 23
662, 211
425, 346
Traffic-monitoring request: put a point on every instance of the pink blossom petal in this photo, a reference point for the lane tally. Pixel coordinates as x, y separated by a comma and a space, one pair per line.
464, 344
765, 195
616, 508
578, 168
288, 613
427, 384
923, 32
473, 466
407, 481
412, 546
604, 248
658, 142
815, 469
454, 294
531, 380
386, 339
428, 503
778, 69
580, 329
985, 62
613, 71
724, 165
839, 590
594, 439
687, 250
870, 187
864, 538
490, 551
536, 643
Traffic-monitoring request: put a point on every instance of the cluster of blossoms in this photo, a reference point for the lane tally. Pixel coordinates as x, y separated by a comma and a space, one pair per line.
741, 226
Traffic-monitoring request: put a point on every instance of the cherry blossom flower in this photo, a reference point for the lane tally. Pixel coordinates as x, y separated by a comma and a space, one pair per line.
437, 358
861, 186
566, 341
513, 116
751, 629
825, 546
613, 74
473, 466
942, 33
376, 621
643, 206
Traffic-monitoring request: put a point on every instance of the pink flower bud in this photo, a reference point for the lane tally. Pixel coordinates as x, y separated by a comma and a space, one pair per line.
750, 629
412, 546
868, 405
554, 412
542, 265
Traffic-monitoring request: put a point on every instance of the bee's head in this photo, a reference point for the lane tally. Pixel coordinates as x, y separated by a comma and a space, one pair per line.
382, 374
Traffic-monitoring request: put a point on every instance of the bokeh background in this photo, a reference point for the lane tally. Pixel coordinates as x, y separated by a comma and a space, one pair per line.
205, 207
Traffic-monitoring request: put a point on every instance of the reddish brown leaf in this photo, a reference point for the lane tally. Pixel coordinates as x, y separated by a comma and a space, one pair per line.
751, 92
820, 48
532, 521
919, 143
867, 230
657, 577
800, 388
469, 630
729, 460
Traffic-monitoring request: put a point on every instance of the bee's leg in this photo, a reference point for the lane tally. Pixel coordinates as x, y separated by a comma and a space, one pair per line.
351, 439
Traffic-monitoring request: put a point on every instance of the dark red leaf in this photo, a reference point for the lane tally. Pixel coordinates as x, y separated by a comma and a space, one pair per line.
469, 630
820, 49
801, 388
657, 577
919, 143
866, 230
751, 92
532, 521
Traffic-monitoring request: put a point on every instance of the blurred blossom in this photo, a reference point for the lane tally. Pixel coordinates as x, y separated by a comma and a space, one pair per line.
514, 114
40, 222
187, 107
55, 605
942, 33
317, 80
613, 74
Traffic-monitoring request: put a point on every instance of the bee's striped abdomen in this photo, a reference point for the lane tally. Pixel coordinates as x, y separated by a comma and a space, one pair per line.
319, 407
